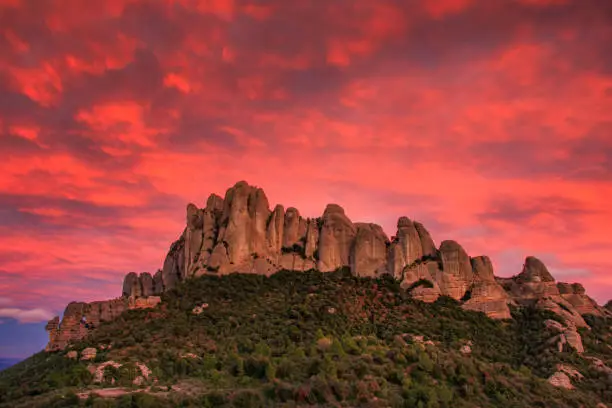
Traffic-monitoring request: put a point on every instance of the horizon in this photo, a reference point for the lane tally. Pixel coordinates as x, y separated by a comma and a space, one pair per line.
489, 123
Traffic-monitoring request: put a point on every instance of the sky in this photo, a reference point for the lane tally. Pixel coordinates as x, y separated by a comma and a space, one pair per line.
488, 121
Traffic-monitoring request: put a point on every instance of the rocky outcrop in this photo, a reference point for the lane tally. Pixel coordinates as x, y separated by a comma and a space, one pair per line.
535, 286
560, 380
141, 285
575, 294
335, 239
405, 250
173, 270
608, 305
567, 335
427, 243
79, 318
239, 233
369, 250
485, 294
456, 275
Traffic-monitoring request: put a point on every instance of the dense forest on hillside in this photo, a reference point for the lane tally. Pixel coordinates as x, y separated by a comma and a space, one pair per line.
316, 339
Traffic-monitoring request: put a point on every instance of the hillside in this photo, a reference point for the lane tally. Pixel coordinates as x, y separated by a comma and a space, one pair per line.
318, 339
7, 362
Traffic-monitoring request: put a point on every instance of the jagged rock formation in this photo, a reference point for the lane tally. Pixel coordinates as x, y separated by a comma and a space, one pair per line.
142, 285
485, 294
608, 306
335, 239
575, 294
567, 334
240, 233
369, 250
536, 286
80, 317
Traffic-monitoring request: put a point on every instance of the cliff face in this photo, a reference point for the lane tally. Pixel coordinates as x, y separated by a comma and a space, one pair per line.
240, 233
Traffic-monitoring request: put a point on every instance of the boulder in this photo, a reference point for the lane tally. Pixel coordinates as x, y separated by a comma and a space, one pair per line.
88, 354
335, 240
560, 380
369, 250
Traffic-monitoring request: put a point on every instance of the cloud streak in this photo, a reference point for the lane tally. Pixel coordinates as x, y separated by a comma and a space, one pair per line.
26, 316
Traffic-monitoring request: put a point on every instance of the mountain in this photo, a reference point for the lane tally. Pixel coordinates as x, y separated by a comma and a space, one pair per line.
262, 307
7, 362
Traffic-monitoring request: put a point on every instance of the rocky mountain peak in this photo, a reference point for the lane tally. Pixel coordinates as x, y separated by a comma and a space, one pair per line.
239, 233
534, 270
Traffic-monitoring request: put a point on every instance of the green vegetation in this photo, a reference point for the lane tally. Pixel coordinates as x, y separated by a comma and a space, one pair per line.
316, 339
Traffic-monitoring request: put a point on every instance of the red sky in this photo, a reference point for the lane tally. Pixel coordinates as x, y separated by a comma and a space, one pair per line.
489, 121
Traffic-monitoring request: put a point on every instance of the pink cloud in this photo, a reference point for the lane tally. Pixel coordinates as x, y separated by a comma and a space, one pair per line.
26, 316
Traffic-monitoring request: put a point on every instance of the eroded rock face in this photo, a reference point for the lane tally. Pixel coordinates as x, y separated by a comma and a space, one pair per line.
174, 265
429, 290
131, 285
427, 244
291, 227
369, 250
483, 268
141, 285
534, 270
335, 239
567, 335
561, 380
158, 283
485, 294
575, 294
456, 276
79, 318
276, 230
536, 286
